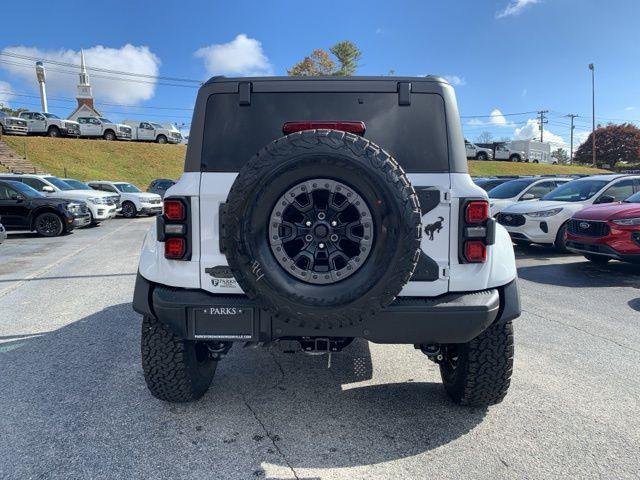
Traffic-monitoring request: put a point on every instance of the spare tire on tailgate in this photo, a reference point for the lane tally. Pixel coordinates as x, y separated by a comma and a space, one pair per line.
322, 228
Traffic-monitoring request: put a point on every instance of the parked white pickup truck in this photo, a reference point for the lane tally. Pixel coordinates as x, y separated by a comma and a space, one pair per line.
12, 125
477, 153
506, 151
41, 123
93, 127
152, 132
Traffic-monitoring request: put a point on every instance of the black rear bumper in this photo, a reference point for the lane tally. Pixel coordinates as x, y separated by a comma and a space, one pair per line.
450, 318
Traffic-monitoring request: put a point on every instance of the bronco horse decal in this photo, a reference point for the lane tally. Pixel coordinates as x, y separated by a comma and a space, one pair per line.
433, 228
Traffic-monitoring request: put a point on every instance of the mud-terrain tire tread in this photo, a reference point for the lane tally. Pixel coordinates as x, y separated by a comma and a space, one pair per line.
267, 159
170, 369
485, 364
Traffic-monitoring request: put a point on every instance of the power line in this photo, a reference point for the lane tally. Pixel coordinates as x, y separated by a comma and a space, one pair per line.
496, 115
66, 99
98, 69
108, 77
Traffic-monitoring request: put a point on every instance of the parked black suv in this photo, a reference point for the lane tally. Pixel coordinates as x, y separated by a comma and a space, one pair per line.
23, 208
160, 186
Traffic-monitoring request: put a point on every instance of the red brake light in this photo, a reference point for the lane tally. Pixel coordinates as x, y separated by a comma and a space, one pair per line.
175, 248
350, 127
174, 210
475, 251
477, 211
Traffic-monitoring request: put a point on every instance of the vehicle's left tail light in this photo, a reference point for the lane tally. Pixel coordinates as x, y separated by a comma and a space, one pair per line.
173, 228
477, 230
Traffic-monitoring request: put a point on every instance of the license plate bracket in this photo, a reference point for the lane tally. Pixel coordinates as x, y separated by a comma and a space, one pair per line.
222, 322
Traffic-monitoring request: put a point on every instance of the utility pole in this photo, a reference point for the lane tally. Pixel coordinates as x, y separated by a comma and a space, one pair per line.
593, 113
541, 122
571, 116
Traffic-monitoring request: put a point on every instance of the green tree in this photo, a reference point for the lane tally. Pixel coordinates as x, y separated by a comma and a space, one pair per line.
484, 137
320, 62
614, 143
11, 111
561, 155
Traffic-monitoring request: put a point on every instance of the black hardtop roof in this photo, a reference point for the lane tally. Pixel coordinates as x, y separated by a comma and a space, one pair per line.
428, 78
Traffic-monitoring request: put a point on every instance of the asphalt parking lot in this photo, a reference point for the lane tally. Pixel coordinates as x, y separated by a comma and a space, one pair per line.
74, 403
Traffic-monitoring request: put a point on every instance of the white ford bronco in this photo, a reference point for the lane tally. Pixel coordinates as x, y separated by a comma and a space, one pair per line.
313, 211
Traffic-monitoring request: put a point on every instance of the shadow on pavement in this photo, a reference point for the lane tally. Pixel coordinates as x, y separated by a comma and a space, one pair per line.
583, 274
75, 403
539, 252
635, 304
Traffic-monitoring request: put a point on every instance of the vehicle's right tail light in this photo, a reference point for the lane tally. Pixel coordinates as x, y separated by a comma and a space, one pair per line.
173, 228
477, 230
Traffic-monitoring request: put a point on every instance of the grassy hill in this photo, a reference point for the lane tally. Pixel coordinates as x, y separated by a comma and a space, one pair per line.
487, 169
139, 163
134, 162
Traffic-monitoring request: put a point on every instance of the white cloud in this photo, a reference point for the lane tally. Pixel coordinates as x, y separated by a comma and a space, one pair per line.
628, 109
531, 130
6, 93
379, 31
128, 58
455, 80
495, 119
524, 92
241, 56
515, 7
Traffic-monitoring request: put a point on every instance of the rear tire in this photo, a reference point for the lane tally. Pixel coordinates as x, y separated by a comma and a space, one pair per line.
49, 224
478, 373
598, 259
175, 369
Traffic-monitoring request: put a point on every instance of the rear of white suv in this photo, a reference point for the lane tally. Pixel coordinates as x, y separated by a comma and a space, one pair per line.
355, 218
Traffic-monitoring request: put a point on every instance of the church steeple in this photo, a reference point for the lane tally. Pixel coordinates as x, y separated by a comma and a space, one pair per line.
85, 96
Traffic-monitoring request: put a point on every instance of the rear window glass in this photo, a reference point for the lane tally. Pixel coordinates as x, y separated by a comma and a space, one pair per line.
414, 134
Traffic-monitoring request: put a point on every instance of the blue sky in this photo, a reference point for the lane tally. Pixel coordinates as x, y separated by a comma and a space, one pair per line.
505, 56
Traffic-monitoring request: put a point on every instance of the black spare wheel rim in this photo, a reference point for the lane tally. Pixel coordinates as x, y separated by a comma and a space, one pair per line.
322, 228
321, 231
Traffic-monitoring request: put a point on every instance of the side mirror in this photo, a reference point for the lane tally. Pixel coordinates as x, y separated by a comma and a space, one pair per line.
17, 197
527, 196
606, 199
48, 189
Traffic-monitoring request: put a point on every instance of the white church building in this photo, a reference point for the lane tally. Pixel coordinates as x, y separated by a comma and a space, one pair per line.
84, 97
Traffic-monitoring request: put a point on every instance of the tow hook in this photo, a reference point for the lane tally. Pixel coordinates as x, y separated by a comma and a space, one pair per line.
217, 350
433, 352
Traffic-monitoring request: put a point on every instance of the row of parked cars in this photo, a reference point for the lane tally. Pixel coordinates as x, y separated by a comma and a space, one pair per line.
43, 123
597, 216
52, 206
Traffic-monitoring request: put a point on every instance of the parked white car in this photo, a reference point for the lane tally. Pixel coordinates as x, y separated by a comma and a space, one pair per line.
41, 123
144, 131
11, 125
476, 152
522, 190
102, 206
92, 127
134, 200
545, 222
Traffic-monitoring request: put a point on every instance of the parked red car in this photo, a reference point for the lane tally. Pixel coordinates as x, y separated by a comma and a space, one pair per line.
607, 231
